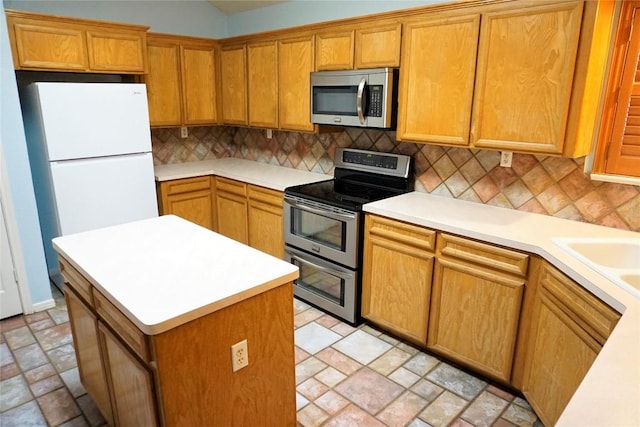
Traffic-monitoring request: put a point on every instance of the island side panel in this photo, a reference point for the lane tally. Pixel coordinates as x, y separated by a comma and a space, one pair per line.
196, 382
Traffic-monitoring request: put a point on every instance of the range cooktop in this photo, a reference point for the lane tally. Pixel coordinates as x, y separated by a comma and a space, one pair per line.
359, 177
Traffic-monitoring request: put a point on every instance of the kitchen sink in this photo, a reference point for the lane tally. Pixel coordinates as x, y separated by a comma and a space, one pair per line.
632, 279
618, 259
611, 254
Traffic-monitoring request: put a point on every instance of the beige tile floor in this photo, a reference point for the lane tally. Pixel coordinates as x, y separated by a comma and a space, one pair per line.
345, 376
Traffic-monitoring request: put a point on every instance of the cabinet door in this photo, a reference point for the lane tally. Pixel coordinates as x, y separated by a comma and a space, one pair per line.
560, 356
199, 85
475, 305
295, 63
84, 325
263, 84
163, 84
131, 383
115, 51
436, 80
234, 85
568, 328
49, 47
526, 62
378, 46
191, 199
334, 51
231, 209
265, 220
397, 273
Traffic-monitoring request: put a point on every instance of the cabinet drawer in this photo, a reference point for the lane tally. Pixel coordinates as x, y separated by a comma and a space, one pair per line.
592, 314
494, 257
231, 186
401, 232
265, 195
186, 185
75, 280
125, 329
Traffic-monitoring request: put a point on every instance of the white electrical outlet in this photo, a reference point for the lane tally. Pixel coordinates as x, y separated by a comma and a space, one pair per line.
269, 134
505, 159
184, 132
239, 355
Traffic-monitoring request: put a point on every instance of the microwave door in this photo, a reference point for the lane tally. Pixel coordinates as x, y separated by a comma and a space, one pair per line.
339, 100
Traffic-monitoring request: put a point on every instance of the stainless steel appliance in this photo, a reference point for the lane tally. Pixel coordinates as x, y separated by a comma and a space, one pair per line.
323, 226
362, 98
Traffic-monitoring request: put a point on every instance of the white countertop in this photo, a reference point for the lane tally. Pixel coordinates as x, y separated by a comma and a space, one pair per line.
166, 271
256, 173
610, 393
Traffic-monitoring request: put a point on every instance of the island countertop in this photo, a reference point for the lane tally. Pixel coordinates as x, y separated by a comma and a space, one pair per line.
609, 394
163, 272
265, 175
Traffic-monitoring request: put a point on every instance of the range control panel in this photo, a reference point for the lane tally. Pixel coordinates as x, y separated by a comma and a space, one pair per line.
377, 160
372, 161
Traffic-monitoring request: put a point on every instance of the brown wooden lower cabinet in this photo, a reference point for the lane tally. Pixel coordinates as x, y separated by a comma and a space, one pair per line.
265, 220
231, 209
475, 304
86, 343
569, 327
396, 284
505, 314
188, 198
183, 376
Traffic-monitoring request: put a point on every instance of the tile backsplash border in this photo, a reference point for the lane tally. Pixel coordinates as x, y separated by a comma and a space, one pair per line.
547, 185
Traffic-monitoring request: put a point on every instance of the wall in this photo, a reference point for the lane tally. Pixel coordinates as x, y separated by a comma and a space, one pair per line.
14, 149
542, 184
193, 17
200, 18
300, 12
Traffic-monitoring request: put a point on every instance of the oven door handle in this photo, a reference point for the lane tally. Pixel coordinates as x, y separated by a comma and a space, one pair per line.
321, 268
319, 211
359, 107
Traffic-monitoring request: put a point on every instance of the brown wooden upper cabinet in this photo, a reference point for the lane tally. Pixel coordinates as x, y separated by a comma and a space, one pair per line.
233, 76
359, 46
334, 50
262, 75
501, 77
55, 43
181, 84
295, 63
436, 91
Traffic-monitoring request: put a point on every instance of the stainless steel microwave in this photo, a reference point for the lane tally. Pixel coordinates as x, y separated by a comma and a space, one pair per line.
362, 98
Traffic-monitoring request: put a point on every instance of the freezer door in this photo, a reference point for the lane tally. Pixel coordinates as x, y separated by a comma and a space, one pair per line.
83, 120
96, 193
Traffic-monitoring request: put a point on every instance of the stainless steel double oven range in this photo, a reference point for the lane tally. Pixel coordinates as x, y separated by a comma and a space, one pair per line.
323, 226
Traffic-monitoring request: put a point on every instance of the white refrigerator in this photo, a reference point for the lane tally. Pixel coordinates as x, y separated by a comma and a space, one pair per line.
89, 149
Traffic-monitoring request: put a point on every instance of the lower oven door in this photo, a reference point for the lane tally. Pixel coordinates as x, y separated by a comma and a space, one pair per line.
324, 284
321, 229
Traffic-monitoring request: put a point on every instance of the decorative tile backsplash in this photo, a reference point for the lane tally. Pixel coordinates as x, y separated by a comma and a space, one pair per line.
543, 184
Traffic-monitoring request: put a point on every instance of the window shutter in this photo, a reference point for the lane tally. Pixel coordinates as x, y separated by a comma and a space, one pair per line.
623, 156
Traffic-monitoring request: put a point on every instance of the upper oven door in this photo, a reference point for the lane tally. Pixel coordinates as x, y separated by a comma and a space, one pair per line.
324, 230
351, 98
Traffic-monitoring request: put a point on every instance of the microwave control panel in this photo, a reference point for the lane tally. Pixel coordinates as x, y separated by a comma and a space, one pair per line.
375, 101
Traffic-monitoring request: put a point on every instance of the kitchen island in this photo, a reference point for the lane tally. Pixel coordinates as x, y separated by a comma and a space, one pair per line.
155, 308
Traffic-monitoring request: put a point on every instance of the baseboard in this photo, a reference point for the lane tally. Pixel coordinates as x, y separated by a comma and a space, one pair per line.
44, 305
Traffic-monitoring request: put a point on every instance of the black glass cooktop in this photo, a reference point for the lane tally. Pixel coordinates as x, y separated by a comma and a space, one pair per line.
359, 177
344, 194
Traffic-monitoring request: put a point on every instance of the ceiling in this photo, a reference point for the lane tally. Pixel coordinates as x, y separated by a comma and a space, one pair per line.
229, 7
